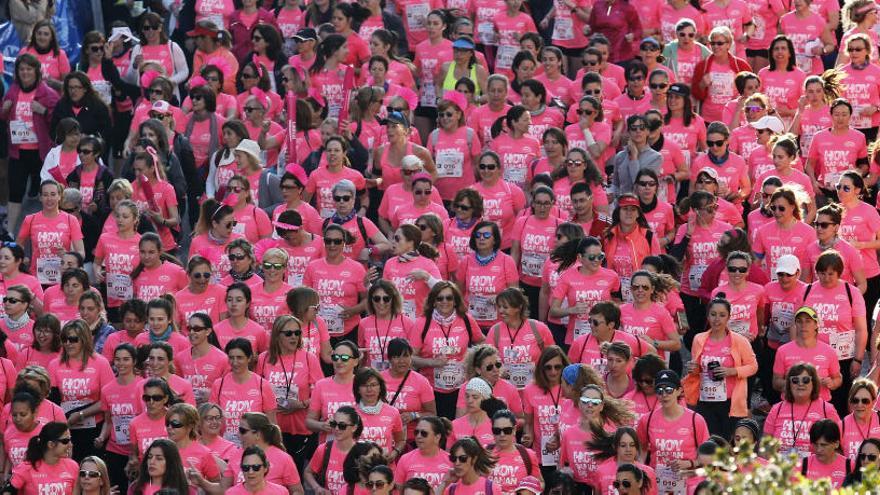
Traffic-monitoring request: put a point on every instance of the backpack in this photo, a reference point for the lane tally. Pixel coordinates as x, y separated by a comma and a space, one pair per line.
325, 463
846, 284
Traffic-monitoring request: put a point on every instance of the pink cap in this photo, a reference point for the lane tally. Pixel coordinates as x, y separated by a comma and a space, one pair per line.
458, 98
530, 484
298, 172
423, 176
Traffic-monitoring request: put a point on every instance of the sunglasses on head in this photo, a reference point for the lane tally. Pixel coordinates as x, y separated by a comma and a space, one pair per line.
507, 430
332, 241
291, 333
246, 468
341, 357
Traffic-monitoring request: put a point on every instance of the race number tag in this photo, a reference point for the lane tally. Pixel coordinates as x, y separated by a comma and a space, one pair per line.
119, 286
482, 308
49, 270
532, 264
330, 314
22, 133
695, 276
449, 162
449, 377
563, 29
121, 430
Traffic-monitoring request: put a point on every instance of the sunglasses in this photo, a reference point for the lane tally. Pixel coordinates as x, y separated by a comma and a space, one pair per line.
594, 92
173, 424
855, 49
634, 128
426, 192
273, 266
591, 63
196, 97
247, 468
71, 339
488, 166
12, 300
508, 430
658, 85
204, 275
591, 401
717, 43
639, 287
755, 108
338, 425
85, 151
575, 163
397, 110
495, 366
64, 441
823, 225
89, 474
152, 398
341, 357
375, 485
687, 34
252, 109
384, 299
243, 431
291, 333
333, 241
228, 226
150, 27
342, 199
584, 112
622, 483
448, 298
195, 328
843, 187
236, 257
716, 144
800, 380
869, 457
778, 208
459, 206
649, 48
96, 48
864, 401
594, 257
458, 459
646, 183
448, 115
737, 269
552, 367
483, 235
664, 390
422, 433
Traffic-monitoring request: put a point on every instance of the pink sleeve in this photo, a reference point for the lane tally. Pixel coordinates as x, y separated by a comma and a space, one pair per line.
858, 303
779, 363
318, 458
264, 225
268, 396
24, 232
510, 272
63, 63
316, 404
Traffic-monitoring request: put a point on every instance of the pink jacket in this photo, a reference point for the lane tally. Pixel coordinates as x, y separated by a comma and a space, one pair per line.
45, 96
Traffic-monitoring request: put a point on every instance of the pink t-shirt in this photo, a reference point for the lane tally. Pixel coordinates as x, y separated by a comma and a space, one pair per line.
802, 31
833, 155
508, 28
292, 378
744, 304
790, 423
269, 489
821, 356
310, 216
15, 443
836, 315
48, 236
862, 90
834, 472
853, 433
453, 155
414, 464
586, 349
414, 293
652, 323
408, 213
182, 388
462, 428
320, 186
45, 478
282, 470
852, 259
374, 335
860, 224
298, 257
176, 340
536, 239
574, 454
669, 441
338, 286
733, 174
55, 302
235, 399
123, 403
211, 302
143, 430
606, 474
701, 251
451, 342
382, 427
780, 307
197, 455
545, 408
503, 390
333, 474
81, 387
481, 284
686, 137
252, 331
164, 199
119, 256
813, 120
354, 249
511, 468
266, 306
164, 279
408, 395
202, 371
783, 88
575, 287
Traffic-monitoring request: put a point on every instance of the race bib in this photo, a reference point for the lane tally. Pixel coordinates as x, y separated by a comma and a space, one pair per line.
482, 308
22, 133
429, 95
283, 393
379, 364
449, 162
721, 87
416, 15
486, 33
740, 327
858, 120
548, 457
121, 430
103, 90
119, 286
70, 405
843, 342
581, 326
695, 276
563, 29
449, 377
804, 63
521, 374
532, 264
49, 270
515, 175
669, 482
710, 389
330, 314
504, 58
409, 308
294, 279
831, 179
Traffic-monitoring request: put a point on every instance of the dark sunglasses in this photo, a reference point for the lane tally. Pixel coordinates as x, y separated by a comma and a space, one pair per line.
333, 241
488, 166
338, 425
422, 433
89, 474
779, 208
341, 357
273, 266
64, 441
823, 225
448, 115
291, 333
150, 27
508, 430
173, 424
864, 401
658, 85
458, 459
152, 398
594, 257
459, 206
717, 43
737, 269
377, 485
204, 275
197, 97
195, 328
236, 257
687, 35
869, 457
85, 151
646, 183
634, 128
843, 187
800, 380
426, 192
246, 468
444, 298
716, 144
581, 111
70, 339
384, 299
496, 366
342, 199
622, 483
12, 300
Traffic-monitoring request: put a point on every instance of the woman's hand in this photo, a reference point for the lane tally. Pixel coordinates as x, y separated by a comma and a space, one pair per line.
37, 107
419, 275
99, 441
7, 105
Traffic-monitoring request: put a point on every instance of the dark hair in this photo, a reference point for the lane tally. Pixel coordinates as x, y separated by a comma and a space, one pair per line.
136, 307
244, 289
54, 47
355, 418
496, 235
397, 347
549, 353
257, 451
66, 126
39, 444
270, 34
419, 485
484, 462
51, 322
467, 193
830, 259
242, 344
325, 49
174, 476
687, 110
797, 370
270, 431
824, 429
362, 376
391, 290
536, 87
781, 38
440, 426
608, 310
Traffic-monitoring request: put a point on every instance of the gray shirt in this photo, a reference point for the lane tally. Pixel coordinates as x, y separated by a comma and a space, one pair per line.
625, 169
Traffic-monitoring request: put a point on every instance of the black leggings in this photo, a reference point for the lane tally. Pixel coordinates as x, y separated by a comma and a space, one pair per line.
83, 440
26, 166
301, 448
696, 315
718, 418
446, 404
116, 468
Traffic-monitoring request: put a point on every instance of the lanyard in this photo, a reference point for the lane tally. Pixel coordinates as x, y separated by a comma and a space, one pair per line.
514, 336
287, 377
379, 340
796, 430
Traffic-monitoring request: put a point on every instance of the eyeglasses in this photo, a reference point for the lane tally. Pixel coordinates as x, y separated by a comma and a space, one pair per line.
591, 63
646, 183
339, 425
686, 34
459, 206
12, 300
458, 459
869, 457
823, 225
173, 424
483, 235
717, 43
252, 109
89, 474
446, 298
384, 299
507, 430
658, 85
594, 257
236, 257
448, 115
85, 151
375, 485
664, 390
204, 275
843, 187
291, 333
716, 144
581, 111
622, 483
342, 199
493, 366
341, 357
855, 49
552, 367
800, 380
70, 339
639, 287
422, 433
333, 241
153, 398
864, 401
195, 328
779, 208
737, 269
488, 166
273, 266
246, 468
591, 401
573, 163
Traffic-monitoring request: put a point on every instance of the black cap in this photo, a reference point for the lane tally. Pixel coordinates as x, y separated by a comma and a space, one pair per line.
306, 34
680, 89
667, 378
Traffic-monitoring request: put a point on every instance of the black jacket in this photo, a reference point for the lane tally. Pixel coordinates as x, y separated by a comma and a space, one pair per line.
94, 118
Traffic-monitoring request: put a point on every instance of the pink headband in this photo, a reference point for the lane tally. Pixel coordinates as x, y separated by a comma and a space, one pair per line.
867, 8
221, 64
197, 81
231, 200
285, 226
